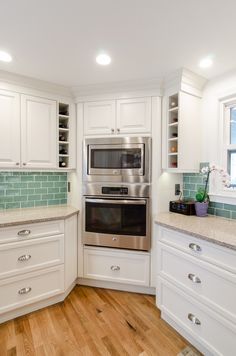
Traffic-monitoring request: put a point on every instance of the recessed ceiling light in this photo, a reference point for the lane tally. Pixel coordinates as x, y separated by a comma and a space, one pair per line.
206, 62
103, 59
5, 57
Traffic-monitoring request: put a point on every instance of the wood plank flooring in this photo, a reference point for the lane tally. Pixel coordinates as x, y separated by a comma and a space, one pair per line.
92, 321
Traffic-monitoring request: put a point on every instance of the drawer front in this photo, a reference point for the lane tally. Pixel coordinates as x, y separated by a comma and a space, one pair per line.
214, 333
203, 280
117, 266
30, 288
25, 256
25, 232
221, 256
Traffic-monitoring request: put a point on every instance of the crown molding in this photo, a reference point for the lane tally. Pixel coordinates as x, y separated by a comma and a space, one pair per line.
32, 83
184, 80
122, 89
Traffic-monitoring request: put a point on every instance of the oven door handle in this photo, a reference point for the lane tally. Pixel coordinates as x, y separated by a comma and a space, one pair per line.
121, 202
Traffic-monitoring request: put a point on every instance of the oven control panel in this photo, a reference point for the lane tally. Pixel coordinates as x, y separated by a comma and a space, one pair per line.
115, 190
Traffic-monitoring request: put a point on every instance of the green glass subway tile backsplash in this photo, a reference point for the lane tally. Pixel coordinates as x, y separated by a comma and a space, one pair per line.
191, 183
32, 189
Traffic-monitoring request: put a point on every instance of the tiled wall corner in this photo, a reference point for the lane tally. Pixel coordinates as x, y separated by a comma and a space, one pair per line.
193, 181
32, 189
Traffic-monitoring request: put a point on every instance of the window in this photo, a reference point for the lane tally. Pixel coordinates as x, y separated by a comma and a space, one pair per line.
229, 140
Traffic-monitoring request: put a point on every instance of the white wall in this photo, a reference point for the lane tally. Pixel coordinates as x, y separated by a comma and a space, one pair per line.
223, 86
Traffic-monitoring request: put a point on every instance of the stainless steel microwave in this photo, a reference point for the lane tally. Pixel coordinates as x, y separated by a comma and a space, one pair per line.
117, 159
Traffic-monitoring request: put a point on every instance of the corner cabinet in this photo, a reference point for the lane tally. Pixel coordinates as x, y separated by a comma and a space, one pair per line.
114, 117
39, 126
181, 132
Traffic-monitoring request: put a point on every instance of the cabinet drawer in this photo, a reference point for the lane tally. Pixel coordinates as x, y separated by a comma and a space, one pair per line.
117, 266
25, 256
220, 256
200, 278
30, 288
214, 333
29, 231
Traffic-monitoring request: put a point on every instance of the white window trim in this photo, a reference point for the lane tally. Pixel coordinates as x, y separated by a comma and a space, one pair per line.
217, 192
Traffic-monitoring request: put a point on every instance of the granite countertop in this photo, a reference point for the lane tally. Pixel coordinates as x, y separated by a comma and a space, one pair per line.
33, 215
211, 228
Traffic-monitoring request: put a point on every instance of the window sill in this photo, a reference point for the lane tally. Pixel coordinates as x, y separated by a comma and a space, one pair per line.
226, 198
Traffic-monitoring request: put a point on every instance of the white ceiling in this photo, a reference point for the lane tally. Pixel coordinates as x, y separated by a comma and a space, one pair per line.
57, 40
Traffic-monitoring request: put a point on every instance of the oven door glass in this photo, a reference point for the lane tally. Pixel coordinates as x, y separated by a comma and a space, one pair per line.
120, 217
126, 158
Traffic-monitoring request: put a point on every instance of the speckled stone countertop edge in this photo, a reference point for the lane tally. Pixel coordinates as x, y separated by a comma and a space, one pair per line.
212, 229
58, 213
198, 236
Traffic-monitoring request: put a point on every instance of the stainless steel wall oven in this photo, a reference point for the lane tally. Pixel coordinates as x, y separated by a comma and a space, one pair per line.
116, 183
115, 218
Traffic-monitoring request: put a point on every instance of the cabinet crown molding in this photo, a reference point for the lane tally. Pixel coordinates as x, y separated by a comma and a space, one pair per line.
184, 80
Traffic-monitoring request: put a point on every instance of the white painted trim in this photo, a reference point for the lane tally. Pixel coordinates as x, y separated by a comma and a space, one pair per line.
116, 286
12, 80
221, 198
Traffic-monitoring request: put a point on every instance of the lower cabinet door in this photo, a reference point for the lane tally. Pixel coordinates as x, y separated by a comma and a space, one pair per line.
117, 266
30, 288
208, 329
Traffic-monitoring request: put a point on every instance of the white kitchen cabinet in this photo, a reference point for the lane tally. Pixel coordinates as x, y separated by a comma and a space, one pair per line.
39, 128
134, 115
38, 264
196, 290
114, 117
10, 129
129, 267
181, 132
71, 250
99, 118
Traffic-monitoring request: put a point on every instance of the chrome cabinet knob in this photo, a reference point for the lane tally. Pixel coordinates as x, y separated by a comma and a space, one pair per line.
17, 163
194, 319
24, 233
194, 278
194, 247
24, 164
118, 130
112, 130
25, 290
24, 258
114, 238
115, 268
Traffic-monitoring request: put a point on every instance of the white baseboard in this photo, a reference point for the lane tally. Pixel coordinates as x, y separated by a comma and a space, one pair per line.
116, 286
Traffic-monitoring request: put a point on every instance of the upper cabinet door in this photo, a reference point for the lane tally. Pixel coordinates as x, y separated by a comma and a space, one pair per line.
10, 129
39, 132
134, 115
99, 118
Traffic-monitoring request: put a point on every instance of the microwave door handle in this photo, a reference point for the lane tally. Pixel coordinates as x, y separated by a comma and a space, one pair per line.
121, 202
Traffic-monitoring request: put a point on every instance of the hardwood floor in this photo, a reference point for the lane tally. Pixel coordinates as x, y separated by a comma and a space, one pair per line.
92, 321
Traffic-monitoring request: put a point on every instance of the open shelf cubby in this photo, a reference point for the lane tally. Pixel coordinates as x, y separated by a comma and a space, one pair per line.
63, 135
172, 130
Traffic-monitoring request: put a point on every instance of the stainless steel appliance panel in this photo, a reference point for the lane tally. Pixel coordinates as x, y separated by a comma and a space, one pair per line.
117, 222
117, 159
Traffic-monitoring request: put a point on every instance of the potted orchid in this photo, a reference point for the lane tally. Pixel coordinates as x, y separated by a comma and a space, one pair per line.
202, 197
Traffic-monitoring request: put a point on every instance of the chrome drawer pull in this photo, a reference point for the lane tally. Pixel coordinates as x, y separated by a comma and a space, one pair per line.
195, 247
24, 233
115, 268
194, 278
24, 258
24, 290
194, 319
